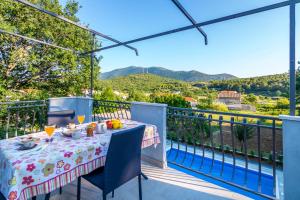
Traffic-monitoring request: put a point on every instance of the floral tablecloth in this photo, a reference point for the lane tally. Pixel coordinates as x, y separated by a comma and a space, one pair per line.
24, 174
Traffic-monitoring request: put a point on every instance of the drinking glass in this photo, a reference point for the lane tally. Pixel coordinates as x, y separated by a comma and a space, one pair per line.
49, 131
80, 119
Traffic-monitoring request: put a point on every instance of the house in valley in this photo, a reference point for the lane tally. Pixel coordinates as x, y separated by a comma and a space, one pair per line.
229, 97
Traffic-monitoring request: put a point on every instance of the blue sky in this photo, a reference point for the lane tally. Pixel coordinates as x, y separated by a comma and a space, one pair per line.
245, 47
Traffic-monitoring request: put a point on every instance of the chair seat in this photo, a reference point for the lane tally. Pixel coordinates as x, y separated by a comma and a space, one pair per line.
96, 177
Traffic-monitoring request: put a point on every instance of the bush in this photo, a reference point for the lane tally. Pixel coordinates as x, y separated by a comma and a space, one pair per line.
220, 107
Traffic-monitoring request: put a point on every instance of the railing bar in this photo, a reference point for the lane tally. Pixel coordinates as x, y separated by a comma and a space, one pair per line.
226, 121
233, 146
178, 141
121, 110
25, 122
194, 143
202, 135
227, 113
259, 156
184, 141
211, 143
245, 150
17, 123
7, 125
222, 145
274, 157
33, 121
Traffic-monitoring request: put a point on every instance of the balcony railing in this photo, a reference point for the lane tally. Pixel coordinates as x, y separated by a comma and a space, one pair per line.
239, 149
22, 117
111, 109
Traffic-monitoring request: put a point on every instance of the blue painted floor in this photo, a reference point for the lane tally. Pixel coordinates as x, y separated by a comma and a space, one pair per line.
236, 176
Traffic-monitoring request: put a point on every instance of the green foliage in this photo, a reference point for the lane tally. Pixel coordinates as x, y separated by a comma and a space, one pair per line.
134, 95
250, 99
220, 107
171, 100
206, 103
243, 132
146, 83
107, 95
283, 103
25, 64
264, 85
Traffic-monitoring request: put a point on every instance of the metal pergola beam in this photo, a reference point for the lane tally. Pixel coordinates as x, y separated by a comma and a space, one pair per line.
209, 22
26, 3
37, 41
190, 18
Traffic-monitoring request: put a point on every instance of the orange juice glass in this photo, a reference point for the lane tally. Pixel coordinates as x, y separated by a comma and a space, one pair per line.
50, 130
80, 118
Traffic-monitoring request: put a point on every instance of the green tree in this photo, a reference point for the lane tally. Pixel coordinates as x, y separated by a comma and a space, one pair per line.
107, 95
171, 100
25, 64
243, 132
134, 95
283, 103
250, 98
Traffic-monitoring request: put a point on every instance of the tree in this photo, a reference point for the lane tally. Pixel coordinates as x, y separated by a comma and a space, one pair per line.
107, 95
283, 103
25, 64
171, 100
250, 98
241, 131
134, 95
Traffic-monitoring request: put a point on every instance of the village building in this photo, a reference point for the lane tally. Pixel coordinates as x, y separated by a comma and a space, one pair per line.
230, 97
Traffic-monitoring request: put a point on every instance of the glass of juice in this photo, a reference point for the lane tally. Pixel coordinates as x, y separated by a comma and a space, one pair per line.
80, 119
49, 131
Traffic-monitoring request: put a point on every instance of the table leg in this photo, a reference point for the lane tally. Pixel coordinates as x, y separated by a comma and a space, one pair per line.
144, 176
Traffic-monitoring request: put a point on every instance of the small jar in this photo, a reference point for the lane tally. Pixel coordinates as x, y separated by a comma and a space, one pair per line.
90, 131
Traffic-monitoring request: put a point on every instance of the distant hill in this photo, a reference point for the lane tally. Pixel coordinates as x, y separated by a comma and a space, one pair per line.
189, 76
271, 85
147, 83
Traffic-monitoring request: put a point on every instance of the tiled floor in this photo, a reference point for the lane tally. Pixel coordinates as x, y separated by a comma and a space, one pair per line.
163, 184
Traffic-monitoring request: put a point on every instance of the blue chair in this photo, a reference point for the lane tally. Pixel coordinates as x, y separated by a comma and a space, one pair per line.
123, 163
61, 118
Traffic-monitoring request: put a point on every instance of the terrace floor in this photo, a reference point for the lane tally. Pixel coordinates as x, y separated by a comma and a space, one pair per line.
163, 184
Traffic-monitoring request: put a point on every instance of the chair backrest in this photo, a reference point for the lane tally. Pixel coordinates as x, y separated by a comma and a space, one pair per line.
61, 118
123, 160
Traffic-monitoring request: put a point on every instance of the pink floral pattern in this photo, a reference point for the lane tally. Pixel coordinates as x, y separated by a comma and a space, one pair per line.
98, 151
22, 172
27, 180
30, 167
13, 195
68, 154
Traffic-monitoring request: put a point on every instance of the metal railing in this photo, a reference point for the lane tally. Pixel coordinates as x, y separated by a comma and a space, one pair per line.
111, 109
22, 117
201, 139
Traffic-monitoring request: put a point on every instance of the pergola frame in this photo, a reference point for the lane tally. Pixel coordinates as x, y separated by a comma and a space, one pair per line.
195, 25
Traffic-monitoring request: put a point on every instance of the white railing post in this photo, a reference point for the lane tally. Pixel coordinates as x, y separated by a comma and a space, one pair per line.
155, 114
81, 106
291, 156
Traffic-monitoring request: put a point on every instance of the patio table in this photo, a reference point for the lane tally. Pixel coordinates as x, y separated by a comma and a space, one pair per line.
25, 174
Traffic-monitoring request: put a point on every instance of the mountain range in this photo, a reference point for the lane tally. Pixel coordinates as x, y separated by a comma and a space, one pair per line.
188, 76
